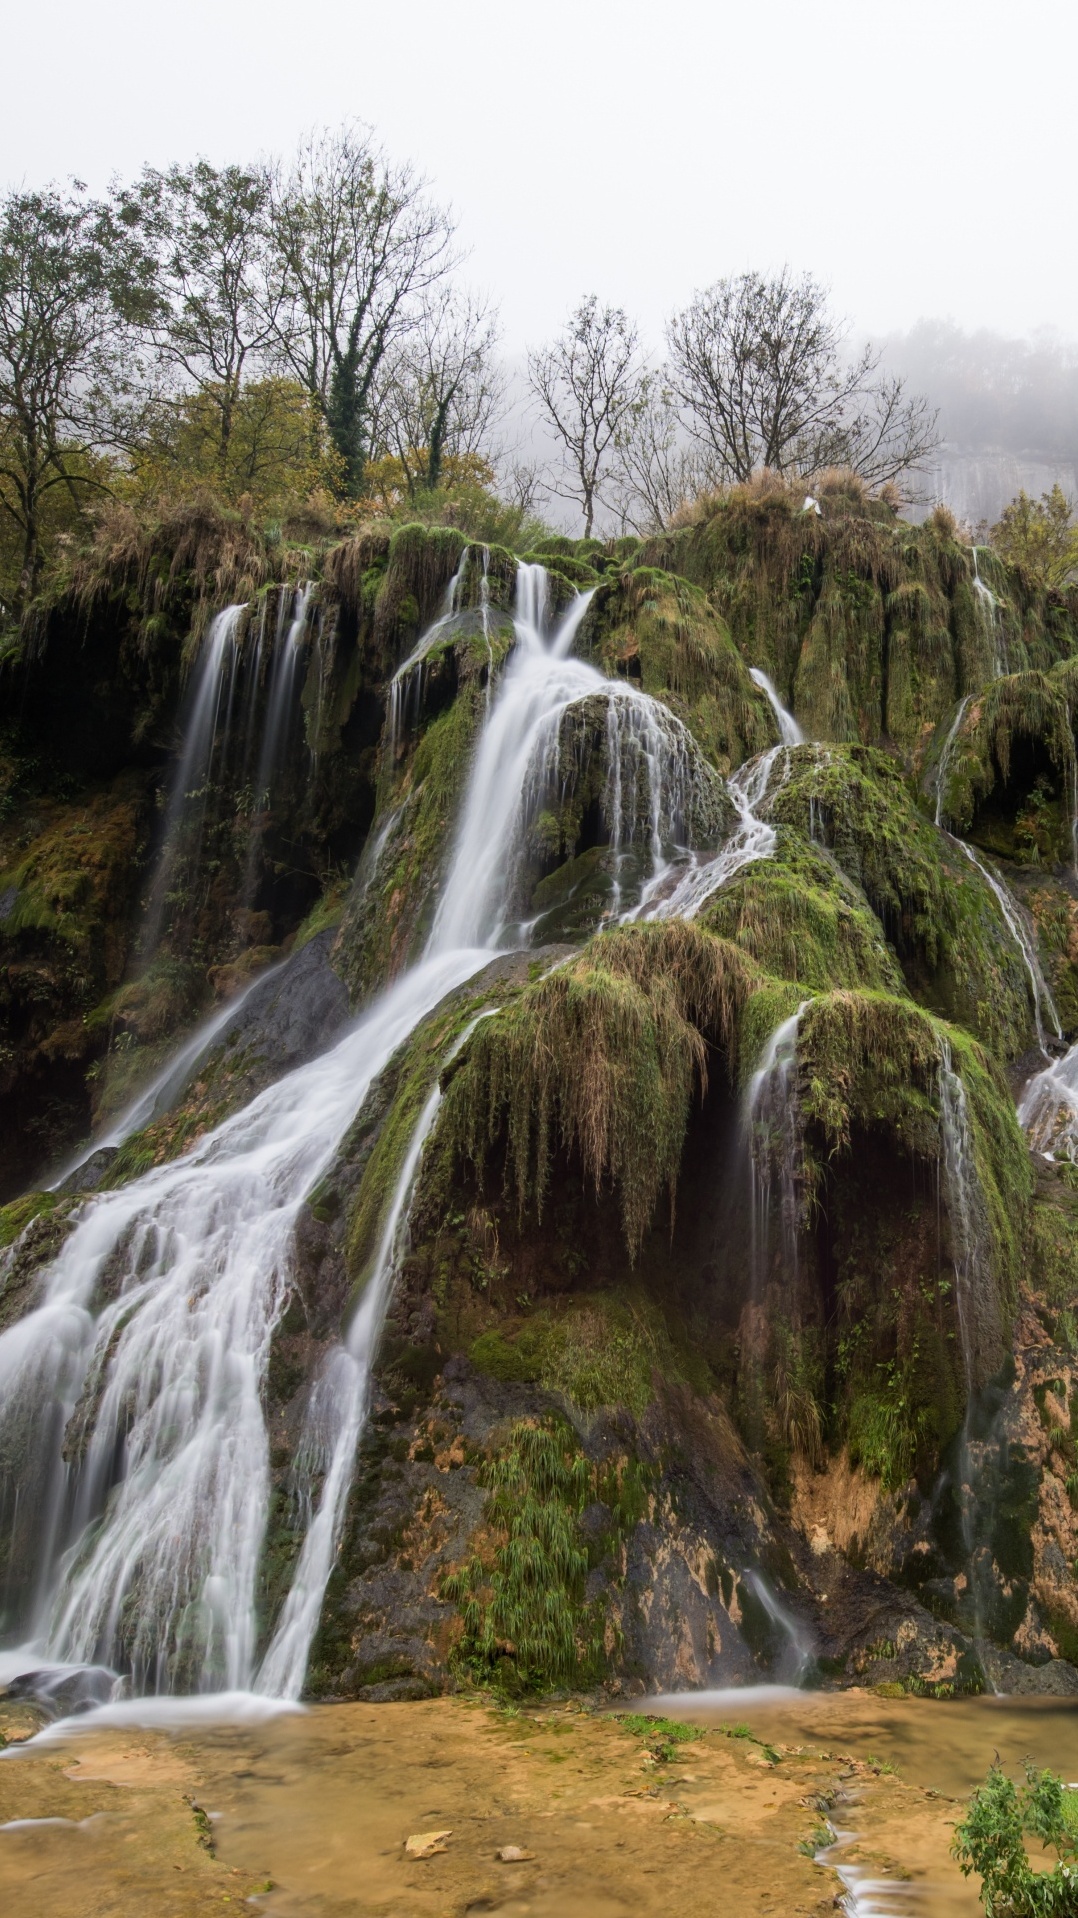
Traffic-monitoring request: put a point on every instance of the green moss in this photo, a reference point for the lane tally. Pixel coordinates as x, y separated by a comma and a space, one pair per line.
1053, 1260
1023, 719
597, 1351
391, 907
15, 1217
663, 631
663, 1737
936, 909
325, 916
797, 917
602, 1057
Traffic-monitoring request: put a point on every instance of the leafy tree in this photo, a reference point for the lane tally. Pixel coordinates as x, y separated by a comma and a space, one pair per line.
444, 391
991, 1841
74, 277
587, 383
759, 365
277, 447
357, 246
217, 310
1039, 536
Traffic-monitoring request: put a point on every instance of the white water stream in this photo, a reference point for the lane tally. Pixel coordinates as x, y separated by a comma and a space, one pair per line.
1024, 941
790, 733
134, 1385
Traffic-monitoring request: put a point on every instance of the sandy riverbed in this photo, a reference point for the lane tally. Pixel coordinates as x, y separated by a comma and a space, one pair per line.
309, 1813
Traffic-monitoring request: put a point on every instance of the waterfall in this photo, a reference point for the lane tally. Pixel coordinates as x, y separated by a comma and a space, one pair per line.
971, 1261
965, 1208
771, 1122
1048, 1109
202, 734
134, 1384
294, 611
797, 1659
988, 608
751, 839
406, 685
166, 1085
1023, 940
790, 733
334, 1422
161, 1511
946, 756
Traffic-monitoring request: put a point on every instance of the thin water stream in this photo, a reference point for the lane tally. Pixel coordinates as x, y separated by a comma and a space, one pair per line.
133, 1389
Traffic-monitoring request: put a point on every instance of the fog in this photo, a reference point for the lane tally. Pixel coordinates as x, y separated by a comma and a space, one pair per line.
1008, 412
915, 158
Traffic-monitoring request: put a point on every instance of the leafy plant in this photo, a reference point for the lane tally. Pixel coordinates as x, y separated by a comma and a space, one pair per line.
991, 1840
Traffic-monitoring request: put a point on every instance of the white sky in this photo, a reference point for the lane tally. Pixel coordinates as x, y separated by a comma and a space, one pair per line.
917, 155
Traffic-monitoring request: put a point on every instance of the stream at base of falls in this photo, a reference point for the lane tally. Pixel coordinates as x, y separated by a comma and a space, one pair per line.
790, 1801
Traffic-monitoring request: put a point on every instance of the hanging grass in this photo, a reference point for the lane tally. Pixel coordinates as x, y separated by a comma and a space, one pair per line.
1033, 709
521, 1601
869, 1062
602, 1058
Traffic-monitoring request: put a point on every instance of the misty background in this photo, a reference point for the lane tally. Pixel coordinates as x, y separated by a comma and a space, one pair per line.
916, 159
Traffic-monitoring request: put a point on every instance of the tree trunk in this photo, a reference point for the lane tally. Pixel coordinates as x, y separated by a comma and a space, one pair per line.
31, 558
436, 449
344, 417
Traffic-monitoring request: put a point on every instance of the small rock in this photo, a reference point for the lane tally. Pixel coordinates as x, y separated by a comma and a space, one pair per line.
512, 1855
426, 1844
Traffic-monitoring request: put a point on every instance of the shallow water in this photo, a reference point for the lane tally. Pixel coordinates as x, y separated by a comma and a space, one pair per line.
938, 1747
104, 1817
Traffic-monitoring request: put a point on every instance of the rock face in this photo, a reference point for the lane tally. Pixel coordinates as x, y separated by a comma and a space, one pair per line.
732, 1329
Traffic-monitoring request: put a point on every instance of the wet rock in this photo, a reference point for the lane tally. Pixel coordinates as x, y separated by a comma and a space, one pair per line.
88, 1176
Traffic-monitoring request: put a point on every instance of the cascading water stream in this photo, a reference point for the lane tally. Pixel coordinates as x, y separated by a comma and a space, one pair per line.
165, 1086
293, 617
771, 1123
164, 1505
135, 1384
988, 608
971, 1265
1048, 1109
186, 801
407, 681
1012, 916
946, 756
790, 733
751, 839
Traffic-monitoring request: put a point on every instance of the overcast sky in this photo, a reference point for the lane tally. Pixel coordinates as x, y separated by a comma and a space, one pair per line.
918, 156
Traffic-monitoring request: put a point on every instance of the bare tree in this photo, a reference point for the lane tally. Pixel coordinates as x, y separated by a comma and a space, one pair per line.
586, 384
657, 468
357, 245
444, 390
218, 309
759, 365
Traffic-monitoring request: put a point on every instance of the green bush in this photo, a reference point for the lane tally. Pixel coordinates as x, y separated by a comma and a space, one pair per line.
991, 1841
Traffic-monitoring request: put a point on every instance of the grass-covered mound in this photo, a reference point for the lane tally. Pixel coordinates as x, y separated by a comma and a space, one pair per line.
663, 632
937, 911
601, 1058
798, 916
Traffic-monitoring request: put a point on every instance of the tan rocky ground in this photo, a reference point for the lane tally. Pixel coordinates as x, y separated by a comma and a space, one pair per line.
310, 1813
